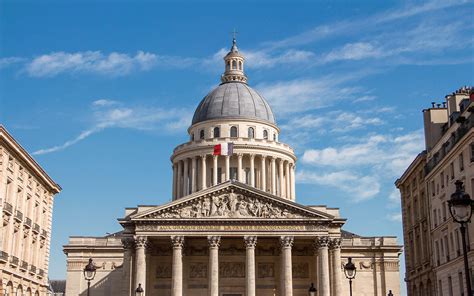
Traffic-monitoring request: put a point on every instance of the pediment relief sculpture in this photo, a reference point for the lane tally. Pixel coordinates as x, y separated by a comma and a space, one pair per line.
230, 205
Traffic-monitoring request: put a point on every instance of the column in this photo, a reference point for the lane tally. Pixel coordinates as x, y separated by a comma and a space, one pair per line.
128, 245
193, 174
227, 167
273, 176
321, 244
214, 169
186, 177
292, 175
250, 243
252, 170
239, 167
177, 268
264, 175
140, 261
203, 172
179, 178
335, 246
280, 172
175, 175
213, 286
287, 179
286, 243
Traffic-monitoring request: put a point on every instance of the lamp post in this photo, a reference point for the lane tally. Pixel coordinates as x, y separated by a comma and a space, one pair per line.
461, 206
350, 272
390, 293
89, 274
312, 290
139, 291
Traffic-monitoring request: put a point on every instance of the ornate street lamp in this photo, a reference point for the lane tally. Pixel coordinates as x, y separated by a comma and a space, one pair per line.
312, 290
89, 274
461, 207
390, 293
139, 291
350, 272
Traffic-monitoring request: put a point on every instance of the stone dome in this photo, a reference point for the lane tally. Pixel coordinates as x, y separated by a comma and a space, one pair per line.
233, 100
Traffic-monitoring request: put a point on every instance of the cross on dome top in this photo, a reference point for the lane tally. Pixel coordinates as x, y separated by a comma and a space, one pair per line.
234, 64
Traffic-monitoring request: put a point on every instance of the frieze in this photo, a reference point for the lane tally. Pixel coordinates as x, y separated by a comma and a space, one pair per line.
300, 270
163, 271
198, 270
230, 227
266, 270
232, 269
230, 205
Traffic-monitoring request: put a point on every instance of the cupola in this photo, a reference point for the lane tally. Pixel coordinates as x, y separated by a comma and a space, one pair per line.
234, 66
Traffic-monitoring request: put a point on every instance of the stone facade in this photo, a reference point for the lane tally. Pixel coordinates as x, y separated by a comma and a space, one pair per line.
26, 207
433, 241
233, 226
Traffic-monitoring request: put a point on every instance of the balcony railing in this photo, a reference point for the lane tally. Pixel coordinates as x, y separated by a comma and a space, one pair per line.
32, 269
8, 208
24, 265
41, 273
14, 261
3, 257
27, 223
44, 233
18, 216
36, 228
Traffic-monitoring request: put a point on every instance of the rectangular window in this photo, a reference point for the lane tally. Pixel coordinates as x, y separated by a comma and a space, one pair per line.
450, 286
444, 211
451, 169
472, 151
435, 220
438, 255
440, 287
233, 173
458, 244
432, 188
461, 162
461, 284
442, 179
446, 247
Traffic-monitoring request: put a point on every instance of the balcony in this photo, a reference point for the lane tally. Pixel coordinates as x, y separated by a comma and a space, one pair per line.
44, 233
32, 269
14, 261
27, 223
18, 216
41, 273
3, 257
36, 228
24, 265
8, 208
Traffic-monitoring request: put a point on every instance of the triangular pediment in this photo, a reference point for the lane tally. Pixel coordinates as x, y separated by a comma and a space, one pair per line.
231, 200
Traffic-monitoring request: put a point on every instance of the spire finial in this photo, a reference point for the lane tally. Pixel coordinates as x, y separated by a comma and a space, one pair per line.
234, 63
234, 41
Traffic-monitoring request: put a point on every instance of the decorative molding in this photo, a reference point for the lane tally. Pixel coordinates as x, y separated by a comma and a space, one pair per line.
177, 242
286, 241
335, 243
198, 270
231, 269
214, 241
141, 241
250, 242
321, 242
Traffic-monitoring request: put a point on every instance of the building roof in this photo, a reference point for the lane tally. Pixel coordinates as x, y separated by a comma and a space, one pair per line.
233, 100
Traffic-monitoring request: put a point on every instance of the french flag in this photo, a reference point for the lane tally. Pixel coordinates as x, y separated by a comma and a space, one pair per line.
224, 149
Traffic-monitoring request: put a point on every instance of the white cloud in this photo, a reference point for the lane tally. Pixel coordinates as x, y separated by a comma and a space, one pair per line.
353, 51
359, 187
395, 217
110, 114
114, 64
6, 62
394, 196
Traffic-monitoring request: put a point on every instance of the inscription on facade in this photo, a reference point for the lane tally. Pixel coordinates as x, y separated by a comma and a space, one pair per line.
153, 227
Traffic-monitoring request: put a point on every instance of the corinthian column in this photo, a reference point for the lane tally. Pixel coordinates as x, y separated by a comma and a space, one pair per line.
280, 172
203, 172
335, 246
213, 286
239, 167
263, 169
193, 174
250, 243
179, 187
292, 174
287, 179
252, 170
286, 243
273, 176
140, 260
177, 269
128, 248
186, 177
214, 169
227, 167
175, 175
321, 243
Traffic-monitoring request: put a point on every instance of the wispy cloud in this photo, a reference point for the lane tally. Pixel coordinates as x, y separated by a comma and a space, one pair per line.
112, 114
395, 217
8, 61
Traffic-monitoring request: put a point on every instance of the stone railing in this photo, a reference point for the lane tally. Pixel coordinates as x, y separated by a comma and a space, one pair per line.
32, 269
24, 265
27, 223
18, 216
44, 233
3, 257
8, 208
41, 273
14, 261
36, 228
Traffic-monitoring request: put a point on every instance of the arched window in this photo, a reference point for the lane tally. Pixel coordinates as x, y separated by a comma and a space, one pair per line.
234, 65
240, 65
274, 137
192, 137
227, 66
217, 132
265, 134
201, 134
233, 132
251, 133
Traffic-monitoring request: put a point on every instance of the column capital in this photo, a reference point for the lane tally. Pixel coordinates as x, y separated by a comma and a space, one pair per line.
335, 243
128, 243
177, 242
273, 158
203, 156
252, 156
321, 242
263, 156
286, 241
215, 156
250, 241
141, 241
240, 155
214, 241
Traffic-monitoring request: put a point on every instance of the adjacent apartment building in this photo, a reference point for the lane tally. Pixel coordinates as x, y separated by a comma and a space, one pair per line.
26, 208
433, 247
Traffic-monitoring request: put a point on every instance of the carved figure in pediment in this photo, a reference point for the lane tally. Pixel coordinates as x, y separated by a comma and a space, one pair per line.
206, 207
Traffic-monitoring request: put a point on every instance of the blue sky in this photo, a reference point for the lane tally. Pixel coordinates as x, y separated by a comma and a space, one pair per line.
101, 92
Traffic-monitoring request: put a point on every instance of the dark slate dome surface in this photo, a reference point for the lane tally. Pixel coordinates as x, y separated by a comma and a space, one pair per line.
233, 100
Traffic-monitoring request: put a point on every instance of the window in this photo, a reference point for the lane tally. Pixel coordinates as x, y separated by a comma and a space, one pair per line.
437, 252
247, 176
234, 65
461, 162
472, 151
450, 285
451, 169
432, 188
458, 244
192, 137
442, 179
461, 283
240, 65
217, 132
251, 133
444, 211
201, 134
265, 134
435, 220
233, 173
233, 132
274, 137
227, 66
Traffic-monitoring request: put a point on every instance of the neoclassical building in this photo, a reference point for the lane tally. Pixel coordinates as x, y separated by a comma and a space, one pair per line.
26, 210
233, 227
